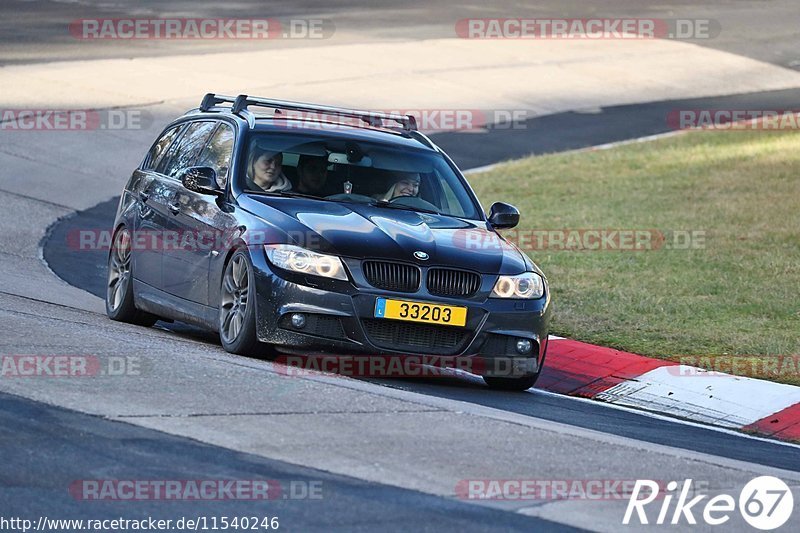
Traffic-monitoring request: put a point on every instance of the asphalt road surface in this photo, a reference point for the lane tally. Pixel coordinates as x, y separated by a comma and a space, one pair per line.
37, 30
52, 448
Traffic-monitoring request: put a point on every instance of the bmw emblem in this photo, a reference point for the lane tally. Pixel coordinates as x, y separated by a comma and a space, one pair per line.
422, 256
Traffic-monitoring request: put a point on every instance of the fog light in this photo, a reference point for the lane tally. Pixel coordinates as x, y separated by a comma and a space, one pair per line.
299, 322
524, 346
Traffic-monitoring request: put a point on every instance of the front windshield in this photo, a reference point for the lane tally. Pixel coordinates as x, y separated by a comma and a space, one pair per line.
354, 171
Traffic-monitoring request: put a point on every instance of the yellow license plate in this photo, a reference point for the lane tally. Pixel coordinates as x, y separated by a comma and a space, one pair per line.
420, 312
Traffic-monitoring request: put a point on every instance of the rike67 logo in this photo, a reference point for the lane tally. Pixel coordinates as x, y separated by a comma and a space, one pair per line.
765, 503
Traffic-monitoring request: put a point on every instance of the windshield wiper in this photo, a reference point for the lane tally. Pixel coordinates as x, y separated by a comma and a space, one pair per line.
392, 205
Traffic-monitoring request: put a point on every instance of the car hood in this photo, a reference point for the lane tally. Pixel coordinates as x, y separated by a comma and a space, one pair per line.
364, 231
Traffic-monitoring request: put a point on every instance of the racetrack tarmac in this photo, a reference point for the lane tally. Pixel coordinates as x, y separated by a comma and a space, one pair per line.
37, 30
56, 449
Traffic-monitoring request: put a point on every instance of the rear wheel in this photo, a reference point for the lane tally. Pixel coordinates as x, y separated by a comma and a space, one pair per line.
237, 309
120, 304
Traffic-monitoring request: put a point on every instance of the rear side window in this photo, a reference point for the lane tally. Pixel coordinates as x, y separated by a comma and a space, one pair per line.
217, 153
188, 148
160, 148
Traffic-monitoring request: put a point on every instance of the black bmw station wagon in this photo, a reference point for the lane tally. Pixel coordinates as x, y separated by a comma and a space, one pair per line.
303, 228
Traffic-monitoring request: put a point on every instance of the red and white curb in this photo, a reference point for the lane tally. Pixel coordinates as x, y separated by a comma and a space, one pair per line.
734, 402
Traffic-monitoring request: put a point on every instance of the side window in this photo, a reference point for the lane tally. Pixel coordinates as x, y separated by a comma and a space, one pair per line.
217, 153
188, 148
160, 147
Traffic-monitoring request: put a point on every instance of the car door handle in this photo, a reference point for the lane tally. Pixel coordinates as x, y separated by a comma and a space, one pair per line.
144, 196
174, 208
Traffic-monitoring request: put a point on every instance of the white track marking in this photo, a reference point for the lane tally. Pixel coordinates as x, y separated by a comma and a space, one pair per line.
666, 418
712, 398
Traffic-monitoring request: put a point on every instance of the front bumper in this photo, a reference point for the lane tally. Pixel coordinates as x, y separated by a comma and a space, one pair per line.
340, 319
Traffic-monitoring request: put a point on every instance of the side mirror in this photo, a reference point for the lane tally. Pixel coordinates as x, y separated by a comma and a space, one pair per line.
201, 179
503, 216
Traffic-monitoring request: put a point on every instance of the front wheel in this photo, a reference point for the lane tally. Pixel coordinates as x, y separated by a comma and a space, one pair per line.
237, 307
119, 290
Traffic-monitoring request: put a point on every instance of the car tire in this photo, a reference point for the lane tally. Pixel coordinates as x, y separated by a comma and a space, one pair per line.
120, 303
237, 305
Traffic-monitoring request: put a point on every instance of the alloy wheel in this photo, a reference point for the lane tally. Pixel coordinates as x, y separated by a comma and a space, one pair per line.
119, 269
235, 288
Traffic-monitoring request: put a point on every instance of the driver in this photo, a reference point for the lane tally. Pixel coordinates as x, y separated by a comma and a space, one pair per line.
405, 184
312, 173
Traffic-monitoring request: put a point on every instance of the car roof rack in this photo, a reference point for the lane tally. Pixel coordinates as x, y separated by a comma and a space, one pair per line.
242, 102
211, 100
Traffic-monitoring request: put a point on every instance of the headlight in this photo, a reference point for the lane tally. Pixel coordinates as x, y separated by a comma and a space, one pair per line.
528, 286
296, 259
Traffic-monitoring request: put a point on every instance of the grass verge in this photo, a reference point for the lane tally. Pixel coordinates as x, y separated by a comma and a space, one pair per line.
722, 290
